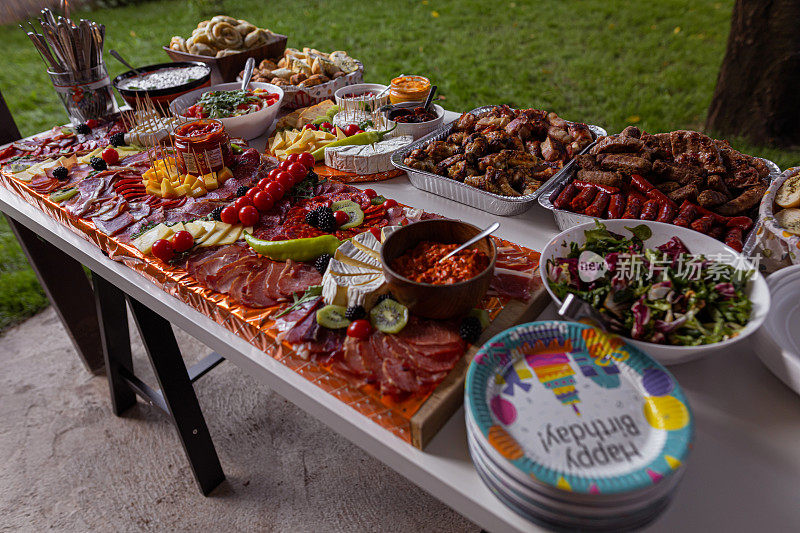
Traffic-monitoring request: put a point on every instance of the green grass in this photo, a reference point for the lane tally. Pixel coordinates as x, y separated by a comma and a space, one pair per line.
653, 64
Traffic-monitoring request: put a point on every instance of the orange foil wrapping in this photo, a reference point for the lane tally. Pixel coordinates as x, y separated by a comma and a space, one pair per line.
349, 177
254, 325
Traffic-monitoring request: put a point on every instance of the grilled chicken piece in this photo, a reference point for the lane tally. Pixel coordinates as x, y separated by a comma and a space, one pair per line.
554, 120
475, 147
457, 137
694, 148
466, 122
492, 122
439, 150
421, 164
559, 134
460, 170
744, 170
500, 140
526, 128
441, 167
481, 182
627, 163
505, 159
580, 133
552, 149
749, 198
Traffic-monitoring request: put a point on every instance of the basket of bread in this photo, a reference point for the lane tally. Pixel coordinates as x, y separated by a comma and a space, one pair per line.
309, 76
225, 44
778, 233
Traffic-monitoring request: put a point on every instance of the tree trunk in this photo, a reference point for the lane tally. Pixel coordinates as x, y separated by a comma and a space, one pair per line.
758, 88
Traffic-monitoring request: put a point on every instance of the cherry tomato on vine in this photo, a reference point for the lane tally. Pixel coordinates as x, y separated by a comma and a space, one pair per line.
297, 171
350, 129
182, 241
370, 193
272, 174
292, 158
241, 202
340, 217
248, 215
285, 179
263, 201
283, 165
360, 329
162, 249
388, 204
307, 160
229, 215
276, 190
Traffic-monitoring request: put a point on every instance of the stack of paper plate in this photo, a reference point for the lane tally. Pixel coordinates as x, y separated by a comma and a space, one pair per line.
574, 428
777, 343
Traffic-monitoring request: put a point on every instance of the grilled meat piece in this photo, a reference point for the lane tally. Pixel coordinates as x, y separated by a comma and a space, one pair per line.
616, 145
626, 163
687, 192
441, 167
534, 148
438, 150
507, 158
694, 148
457, 137
744, 170
668, 186
552, 149
669, 171
500, 140
526, 129
556, 121
492, 122
461, 170
466, 122
659, 146
559, 134
717, 183
631, 131
475, 147
421, 164
581, 133
749, 198
483, 183
710, 198
587, 162
600, 177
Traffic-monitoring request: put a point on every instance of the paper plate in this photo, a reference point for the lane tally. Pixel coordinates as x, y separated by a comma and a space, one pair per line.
576, 410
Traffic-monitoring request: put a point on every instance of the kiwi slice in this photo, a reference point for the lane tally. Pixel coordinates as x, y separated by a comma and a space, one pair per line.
332, 317
389, 316
482, 315
353, 210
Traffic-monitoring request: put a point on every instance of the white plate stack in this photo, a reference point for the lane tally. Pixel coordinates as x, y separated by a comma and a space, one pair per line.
575, 429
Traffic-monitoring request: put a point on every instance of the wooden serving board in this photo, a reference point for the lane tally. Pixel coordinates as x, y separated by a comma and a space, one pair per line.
449, 394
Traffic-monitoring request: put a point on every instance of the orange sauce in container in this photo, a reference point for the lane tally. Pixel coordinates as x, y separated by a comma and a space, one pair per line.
409, 89
421, 263
202, 146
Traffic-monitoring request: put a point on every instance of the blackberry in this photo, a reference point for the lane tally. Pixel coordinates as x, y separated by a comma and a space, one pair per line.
355, 312
118, 139
326, 221
242, 190
470, 329
61, 173
97, 163
83, 129
312, 217
385, 296
321, 262
323, 209
215, 214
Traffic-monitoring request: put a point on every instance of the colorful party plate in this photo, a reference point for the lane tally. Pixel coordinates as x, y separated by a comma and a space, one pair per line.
573, 409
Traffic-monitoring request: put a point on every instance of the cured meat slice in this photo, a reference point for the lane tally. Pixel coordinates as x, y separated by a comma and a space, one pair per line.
511, 283
300, 277
514, 259
398, 377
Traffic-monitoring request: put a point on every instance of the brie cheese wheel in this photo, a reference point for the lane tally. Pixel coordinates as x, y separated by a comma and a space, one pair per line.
367, 158
355, 275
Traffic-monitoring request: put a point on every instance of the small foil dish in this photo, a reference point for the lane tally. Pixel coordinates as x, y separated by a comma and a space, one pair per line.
567, 219
466, 194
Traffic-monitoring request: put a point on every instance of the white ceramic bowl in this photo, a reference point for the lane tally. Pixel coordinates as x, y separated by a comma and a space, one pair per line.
247, 126
697, 243
417, 130
360, 88
777, 343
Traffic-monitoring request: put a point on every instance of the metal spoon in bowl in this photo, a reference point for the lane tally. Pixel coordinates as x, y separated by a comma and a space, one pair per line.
249, 66
488, 231
121, 60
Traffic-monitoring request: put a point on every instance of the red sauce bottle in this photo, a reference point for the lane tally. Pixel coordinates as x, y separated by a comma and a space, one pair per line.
202, 146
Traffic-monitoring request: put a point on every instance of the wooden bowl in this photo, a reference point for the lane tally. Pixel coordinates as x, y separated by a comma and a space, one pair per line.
225, 69
437, 301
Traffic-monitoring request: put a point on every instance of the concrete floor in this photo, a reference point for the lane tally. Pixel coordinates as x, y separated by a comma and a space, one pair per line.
68, 464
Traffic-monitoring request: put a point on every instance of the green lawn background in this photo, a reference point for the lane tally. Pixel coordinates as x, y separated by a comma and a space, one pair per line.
611, 63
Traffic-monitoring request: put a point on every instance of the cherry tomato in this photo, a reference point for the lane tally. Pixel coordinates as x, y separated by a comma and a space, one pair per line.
360, 329
306, 159
360, 130
350, 129
263, 201
310, 127
182, 241
110, 156
248, 215
370, 193
292, 158
251, 192
388, 204
340, 217
276, 190
326, 126
92, 123
241, 202
285, 179
271, 175
162, 249
297, 171
376, 233
229, 215
284, 165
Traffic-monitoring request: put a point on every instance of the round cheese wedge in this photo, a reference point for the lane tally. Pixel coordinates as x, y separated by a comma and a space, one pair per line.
365, 159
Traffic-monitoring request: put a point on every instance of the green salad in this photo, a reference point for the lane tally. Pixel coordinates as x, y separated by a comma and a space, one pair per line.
664, 295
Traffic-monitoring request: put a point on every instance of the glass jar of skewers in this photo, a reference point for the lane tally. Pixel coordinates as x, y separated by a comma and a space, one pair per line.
86, 94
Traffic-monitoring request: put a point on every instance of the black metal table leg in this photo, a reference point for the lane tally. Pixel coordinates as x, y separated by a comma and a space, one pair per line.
113, 314
178, 393
68, 289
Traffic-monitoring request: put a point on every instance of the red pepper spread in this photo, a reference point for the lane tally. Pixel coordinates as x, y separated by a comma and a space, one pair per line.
421, 264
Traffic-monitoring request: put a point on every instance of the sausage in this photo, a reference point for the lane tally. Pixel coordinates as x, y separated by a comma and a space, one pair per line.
565, 197
641, 184
666, 213
598, 207
734, 239
687, 214
599, 177
650, 210
741, 222
634, 206
605, 188
584, 198
616, 206
716, 231
703, 224
661, 198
